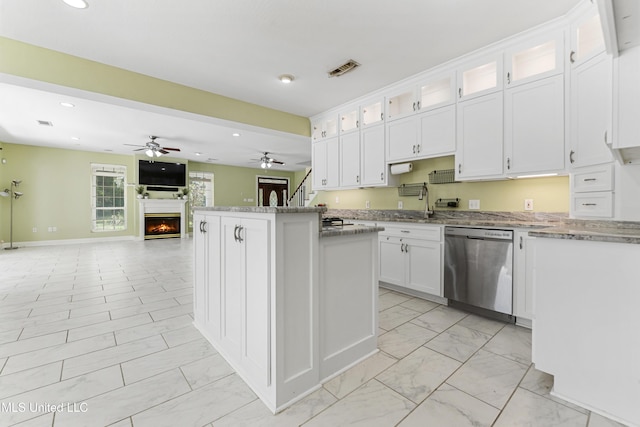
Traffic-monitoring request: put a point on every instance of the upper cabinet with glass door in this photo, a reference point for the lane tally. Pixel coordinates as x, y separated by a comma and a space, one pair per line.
372, 112
480, 77
535, 59
587, 39
324, 127
350, 119
432, 93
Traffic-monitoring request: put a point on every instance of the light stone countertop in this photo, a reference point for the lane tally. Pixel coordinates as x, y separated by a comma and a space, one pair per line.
263, 209
348, 230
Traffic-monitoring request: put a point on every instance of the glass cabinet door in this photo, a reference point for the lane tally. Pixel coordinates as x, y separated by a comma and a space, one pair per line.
587, 39
402, 104
349, 120
537, 59
372, 113
437, 93
479, 79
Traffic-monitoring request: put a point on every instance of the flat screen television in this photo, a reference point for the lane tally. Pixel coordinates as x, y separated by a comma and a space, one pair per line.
162, 174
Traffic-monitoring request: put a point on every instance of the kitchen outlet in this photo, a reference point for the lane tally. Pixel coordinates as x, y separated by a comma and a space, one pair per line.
34, 229
474, 204
528, 204
50, 229
400, 204
367, 204
337, 199
249, 200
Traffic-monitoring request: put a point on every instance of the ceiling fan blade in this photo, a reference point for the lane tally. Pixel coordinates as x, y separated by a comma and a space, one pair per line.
163, 151
170, 149
140, 149
278, 162
134, 145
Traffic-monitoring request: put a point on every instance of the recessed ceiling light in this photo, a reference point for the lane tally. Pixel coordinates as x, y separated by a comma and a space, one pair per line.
75, 138
67, 104
78, 4
235, 134
198, 154
286, 78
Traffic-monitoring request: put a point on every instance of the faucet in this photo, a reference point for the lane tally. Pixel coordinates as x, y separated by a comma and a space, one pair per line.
427, 212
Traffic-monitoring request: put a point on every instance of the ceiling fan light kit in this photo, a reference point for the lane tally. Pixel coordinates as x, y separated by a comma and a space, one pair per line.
153, 149
78, 4
267, 162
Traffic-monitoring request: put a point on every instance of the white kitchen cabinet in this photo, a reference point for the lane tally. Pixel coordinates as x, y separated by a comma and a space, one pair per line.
479, 150
350, 120
480, 77
324, 127
534, 127
586, 309
206, 290
411, 257
245, 261
523, 262
372, 112
587, 39
373, 168
326, 154
350, 159
591, 112
403, 141
535, 59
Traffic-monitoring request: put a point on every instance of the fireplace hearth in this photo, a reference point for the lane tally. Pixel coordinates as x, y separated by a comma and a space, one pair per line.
161, 225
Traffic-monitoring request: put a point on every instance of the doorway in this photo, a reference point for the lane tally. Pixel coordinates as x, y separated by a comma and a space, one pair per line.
272, 191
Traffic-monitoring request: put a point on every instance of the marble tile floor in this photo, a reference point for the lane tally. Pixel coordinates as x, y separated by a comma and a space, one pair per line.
101, 335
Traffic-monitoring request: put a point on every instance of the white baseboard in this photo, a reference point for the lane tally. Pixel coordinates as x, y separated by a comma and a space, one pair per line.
70, 241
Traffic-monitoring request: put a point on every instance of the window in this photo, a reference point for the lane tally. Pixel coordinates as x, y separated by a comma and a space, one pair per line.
108, 198
200, 192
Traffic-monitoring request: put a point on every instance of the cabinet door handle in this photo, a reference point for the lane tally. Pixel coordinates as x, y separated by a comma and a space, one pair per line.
405, 231
508, 163
414, 149
589, 179
406, 248
235, 233
459, 168
459, 92
357, 123
508, 78
414, 106
381, 176
572, 57
358, 179
201, 223
401, 247
240, 228
589, 204
605, 137
419, 148
520, 242
381, 116
571, 153
418, 105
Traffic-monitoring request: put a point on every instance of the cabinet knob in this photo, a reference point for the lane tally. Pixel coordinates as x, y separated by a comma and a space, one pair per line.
358, 179
357, 123
520, 242
419, 148
605, 137
414, 149
572, 57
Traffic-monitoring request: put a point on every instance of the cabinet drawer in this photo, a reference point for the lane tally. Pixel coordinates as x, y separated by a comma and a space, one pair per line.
426, 232
596, 204
597, 178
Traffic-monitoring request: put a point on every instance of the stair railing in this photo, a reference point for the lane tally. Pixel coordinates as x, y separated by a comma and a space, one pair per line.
298, 196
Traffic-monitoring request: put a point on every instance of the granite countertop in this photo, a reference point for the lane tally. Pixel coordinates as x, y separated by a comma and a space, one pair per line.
596, 231
263, 209
348, 230
542, 224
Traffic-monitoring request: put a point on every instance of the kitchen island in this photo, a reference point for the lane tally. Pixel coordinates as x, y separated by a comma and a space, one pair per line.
288, 305
585, 328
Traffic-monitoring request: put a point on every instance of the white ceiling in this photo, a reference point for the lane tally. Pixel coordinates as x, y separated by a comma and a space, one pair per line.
237, 48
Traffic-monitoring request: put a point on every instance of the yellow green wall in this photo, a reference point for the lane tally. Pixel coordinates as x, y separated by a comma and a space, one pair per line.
549, 194
57, 192
25, 60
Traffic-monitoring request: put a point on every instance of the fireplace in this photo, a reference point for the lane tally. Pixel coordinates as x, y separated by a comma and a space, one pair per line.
161, 225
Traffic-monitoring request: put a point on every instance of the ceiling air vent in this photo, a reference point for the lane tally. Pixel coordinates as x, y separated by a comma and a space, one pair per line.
44, 123
350, 65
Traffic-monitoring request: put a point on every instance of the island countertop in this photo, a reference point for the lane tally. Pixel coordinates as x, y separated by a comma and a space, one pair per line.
263, 209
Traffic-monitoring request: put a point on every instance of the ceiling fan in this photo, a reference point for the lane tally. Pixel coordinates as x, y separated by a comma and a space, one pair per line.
266, 161
152, 148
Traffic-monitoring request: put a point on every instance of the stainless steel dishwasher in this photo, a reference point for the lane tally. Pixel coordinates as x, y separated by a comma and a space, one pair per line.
478, 270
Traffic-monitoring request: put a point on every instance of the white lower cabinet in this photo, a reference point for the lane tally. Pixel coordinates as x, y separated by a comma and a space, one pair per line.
411, 257
285, 310
523, 260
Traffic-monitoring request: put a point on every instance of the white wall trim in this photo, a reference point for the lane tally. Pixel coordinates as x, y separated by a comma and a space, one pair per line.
70, 241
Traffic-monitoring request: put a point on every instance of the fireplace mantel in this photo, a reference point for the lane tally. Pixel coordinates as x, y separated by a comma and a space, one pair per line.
162, 206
